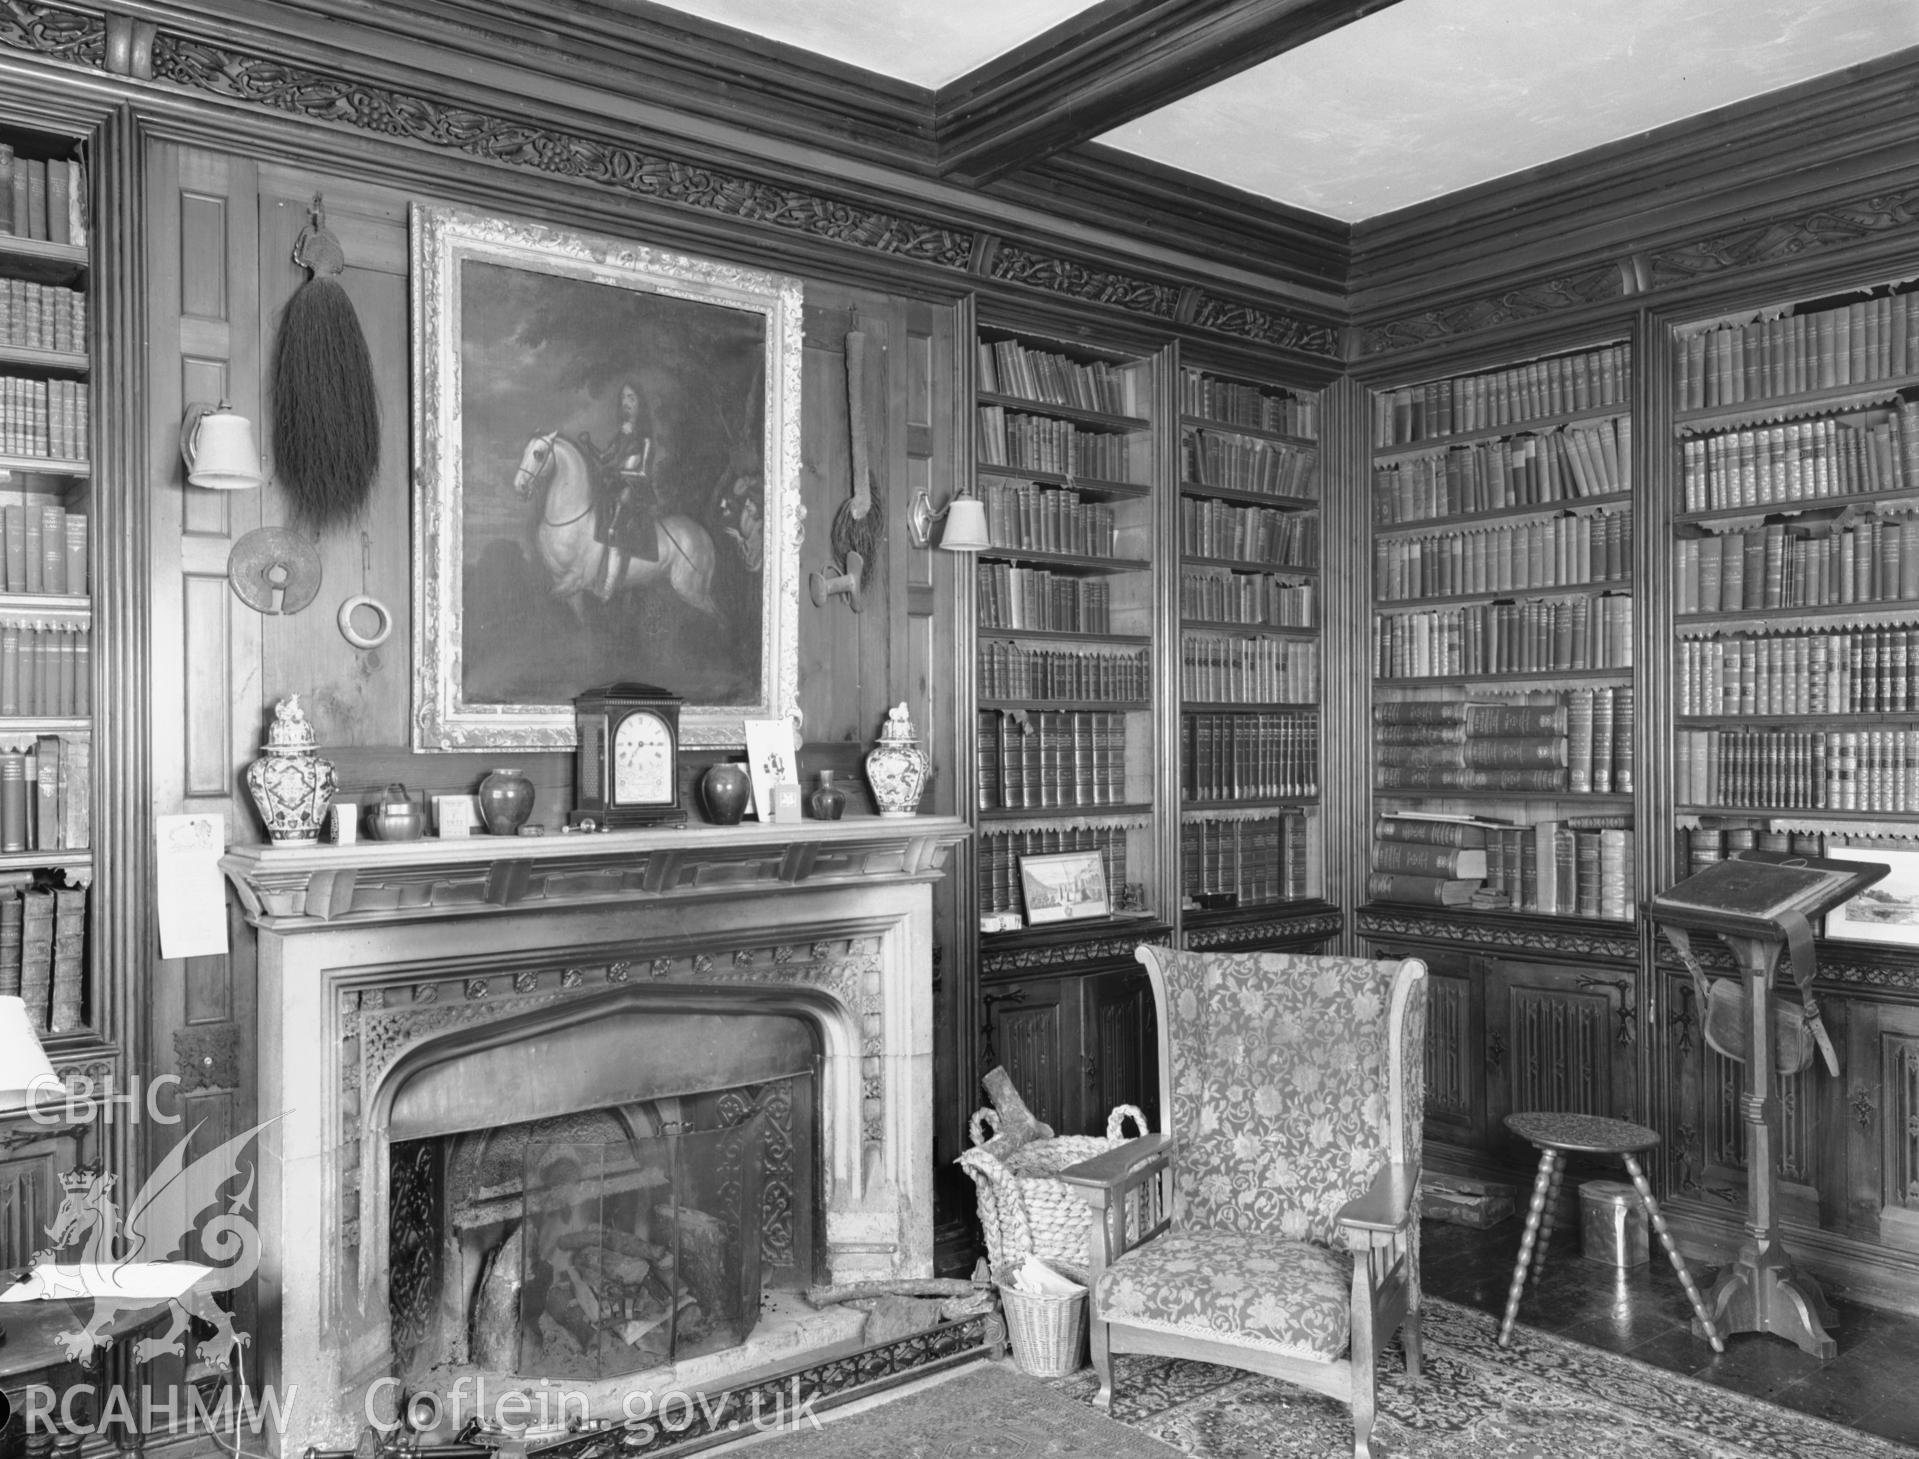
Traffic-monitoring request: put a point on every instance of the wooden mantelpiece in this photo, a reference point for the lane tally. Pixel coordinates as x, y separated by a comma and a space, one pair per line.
284, 888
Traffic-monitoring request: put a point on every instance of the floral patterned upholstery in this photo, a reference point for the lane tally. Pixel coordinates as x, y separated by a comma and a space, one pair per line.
1283, 1296
1280, 1086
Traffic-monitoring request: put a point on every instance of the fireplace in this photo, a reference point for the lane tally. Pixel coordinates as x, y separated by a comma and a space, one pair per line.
589, 1111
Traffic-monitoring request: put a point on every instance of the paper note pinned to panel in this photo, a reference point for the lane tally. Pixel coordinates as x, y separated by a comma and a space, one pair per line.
192, 896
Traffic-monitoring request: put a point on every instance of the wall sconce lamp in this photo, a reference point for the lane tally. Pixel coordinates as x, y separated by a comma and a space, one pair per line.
965, 518
218, 447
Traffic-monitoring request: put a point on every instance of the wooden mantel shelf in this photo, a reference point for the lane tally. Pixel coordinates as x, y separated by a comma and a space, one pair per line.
288, 889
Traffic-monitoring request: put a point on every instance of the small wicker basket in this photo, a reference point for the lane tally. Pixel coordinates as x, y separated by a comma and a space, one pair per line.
1024, 1208
1048, 1333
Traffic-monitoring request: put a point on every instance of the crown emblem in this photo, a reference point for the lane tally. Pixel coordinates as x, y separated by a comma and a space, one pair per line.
79, 1179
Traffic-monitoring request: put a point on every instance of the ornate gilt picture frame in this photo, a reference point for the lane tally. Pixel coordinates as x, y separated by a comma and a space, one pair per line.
606, 482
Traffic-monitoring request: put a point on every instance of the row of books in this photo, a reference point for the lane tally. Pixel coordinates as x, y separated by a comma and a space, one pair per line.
1043, 443
1593, 380
1245, 861
1211, 398
1551, 552
1020, 671
1007, 367
1026, 515
46, 670
43, 953
1798, 565
46, 794
1000, 852
1802, 460
1537, 635
43, 549
1840, 770
47, 419
1247, 463
1248, 670
1530, 470
1574, 867
1032, 597
1225, 757
1716, 839
1248, 534
1587, 730
42, 316
43, 198
1850, 671
1857, 344
1043, 758
1220, 595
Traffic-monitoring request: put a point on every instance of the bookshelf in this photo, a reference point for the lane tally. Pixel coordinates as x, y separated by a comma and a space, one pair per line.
1796, 576
1066, 651
1503, 604
1249, 607
46, 628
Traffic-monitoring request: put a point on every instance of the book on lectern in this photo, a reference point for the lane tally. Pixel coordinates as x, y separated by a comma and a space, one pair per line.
1748, 893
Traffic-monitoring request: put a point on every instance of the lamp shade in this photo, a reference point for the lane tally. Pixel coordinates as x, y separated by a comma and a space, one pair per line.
219, 450
24, 1067
965, 525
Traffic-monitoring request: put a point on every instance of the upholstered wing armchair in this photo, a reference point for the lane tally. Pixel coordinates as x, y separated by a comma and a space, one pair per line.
1272, 1225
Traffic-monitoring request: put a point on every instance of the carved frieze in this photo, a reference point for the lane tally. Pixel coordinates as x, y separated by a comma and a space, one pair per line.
1015, 264
1832, 226
1268, 326
1571, 941
1527, 301
1059, 956
48, 30
1266, 930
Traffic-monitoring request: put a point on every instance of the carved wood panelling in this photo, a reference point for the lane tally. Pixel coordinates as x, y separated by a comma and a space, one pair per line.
1268, 326
1832, 226
1266, 931
1028, 1042
1452, 1074
1561, 1055
48, 30
29, 1195
1526, 301
1580, 941
1900, 1099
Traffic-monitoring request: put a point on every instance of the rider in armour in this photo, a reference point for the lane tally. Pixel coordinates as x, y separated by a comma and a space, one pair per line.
629, 496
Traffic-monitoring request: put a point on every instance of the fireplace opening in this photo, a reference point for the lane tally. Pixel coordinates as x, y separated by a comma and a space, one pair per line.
608, 1240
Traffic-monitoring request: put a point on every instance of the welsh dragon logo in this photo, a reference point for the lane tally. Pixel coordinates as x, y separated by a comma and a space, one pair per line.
115, 1264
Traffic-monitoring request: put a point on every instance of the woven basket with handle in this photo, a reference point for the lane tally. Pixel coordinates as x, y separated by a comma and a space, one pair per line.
1024, 1208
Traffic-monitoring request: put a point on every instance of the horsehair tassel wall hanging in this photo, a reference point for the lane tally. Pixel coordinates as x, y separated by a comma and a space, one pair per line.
326, 417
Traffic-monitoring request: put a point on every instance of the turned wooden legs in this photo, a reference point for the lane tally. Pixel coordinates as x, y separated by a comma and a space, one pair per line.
1531, 1247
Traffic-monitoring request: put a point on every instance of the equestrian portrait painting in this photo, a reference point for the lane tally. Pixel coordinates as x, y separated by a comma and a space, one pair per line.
606, 444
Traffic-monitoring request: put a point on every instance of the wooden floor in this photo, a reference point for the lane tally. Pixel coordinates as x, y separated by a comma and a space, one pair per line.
1873, 1384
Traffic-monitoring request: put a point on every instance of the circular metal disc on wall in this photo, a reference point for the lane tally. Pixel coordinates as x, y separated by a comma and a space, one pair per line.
274, 570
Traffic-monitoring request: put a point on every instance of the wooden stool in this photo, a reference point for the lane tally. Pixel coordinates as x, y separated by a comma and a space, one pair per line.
1555, 1136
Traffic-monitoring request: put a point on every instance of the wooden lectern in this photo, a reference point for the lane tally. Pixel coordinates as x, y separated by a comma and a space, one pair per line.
1760, 903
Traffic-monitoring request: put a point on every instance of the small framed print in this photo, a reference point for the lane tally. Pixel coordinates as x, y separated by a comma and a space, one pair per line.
1885, 912
1065, 887
771, 760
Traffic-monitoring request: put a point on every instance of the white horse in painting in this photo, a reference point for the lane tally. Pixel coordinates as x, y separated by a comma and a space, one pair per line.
576, 561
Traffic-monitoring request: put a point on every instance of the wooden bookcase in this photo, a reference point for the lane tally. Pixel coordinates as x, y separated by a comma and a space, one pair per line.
1250, 617
1793, 464
45, 614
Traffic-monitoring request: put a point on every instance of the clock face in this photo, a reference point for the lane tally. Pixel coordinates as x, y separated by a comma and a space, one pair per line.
642, 761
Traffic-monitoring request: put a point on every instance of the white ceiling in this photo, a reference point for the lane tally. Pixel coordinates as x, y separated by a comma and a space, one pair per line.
1412, 102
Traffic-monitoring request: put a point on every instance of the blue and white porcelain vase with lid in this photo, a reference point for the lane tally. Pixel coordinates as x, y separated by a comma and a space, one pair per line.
291, 784
896, 766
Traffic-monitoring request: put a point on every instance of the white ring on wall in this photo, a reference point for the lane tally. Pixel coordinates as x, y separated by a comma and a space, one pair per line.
364, 640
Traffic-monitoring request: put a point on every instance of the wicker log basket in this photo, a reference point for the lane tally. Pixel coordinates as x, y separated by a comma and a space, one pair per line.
1023, 1207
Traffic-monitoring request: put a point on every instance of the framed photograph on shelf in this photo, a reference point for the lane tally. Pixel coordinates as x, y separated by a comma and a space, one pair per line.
1063, 887
771, 759
607, 482
1886, 912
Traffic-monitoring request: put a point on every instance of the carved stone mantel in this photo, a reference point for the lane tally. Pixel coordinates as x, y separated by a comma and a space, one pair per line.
381, 962
286, 889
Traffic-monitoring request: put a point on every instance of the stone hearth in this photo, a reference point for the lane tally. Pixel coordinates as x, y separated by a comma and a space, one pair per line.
413, 976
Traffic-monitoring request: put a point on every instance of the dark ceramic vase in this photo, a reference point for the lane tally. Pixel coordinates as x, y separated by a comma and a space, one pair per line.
506, 800
726, 792
828, 803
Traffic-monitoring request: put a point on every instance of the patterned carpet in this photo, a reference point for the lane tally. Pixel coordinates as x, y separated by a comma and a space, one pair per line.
1545, 1398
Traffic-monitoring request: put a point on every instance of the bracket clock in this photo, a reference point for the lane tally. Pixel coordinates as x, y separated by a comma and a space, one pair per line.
628, 768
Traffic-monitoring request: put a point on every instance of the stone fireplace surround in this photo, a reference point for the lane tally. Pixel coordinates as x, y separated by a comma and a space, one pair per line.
385, 967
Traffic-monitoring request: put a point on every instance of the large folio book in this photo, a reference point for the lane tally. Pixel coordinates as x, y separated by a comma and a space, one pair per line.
1749, 893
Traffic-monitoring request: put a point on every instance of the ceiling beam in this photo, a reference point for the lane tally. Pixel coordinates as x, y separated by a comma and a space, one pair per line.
1108, 65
